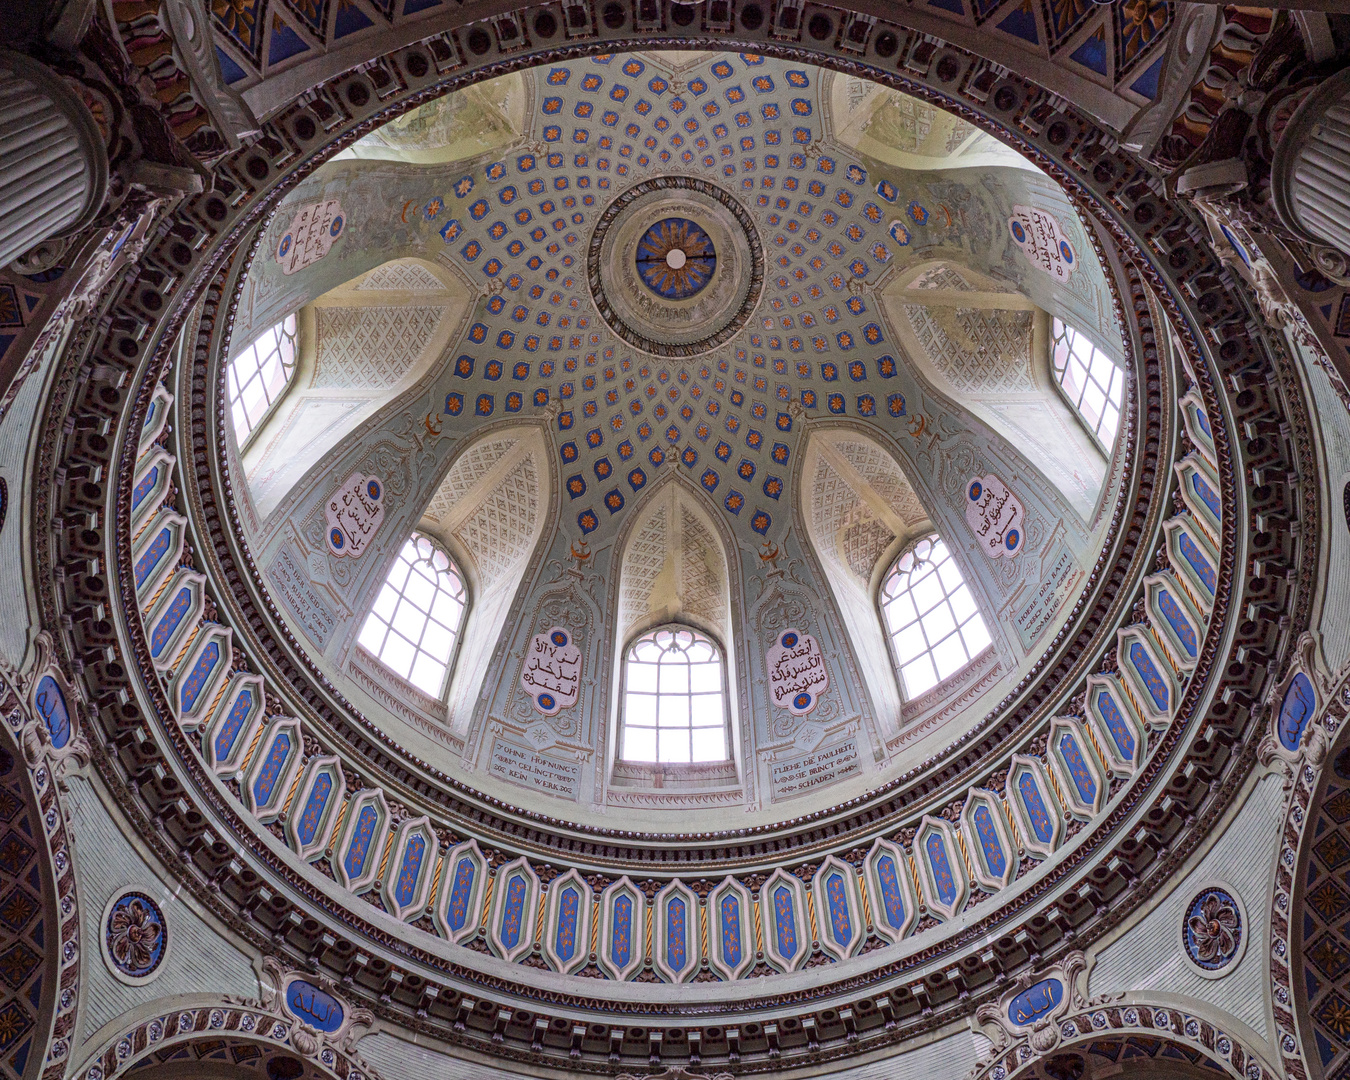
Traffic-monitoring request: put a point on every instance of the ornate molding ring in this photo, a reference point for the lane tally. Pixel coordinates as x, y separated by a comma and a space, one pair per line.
606, 308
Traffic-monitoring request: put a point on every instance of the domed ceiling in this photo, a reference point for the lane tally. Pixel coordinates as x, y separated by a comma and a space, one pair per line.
717, 349
796, 297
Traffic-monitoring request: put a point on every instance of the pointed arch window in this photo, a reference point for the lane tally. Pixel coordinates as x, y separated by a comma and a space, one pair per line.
1090, 379
934, 627
414, 626
674, 703
258, 376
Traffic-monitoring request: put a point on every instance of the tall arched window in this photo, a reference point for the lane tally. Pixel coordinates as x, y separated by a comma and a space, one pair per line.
257, 377
674, 706
415, 623
1090, 379
931, 618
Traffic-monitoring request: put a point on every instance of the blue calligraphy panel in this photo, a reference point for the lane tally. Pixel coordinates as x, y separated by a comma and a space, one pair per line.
1300, 701
410, 870
234, 723
312, 815
621, 932
265, 783
677, 931
1039, 817
199, 677
1149, 675
1035, 1001
170, 621
156, 551
990, 843
50, 703
731, 929
1179, 622
1116, 724
358, 851
943, 880
1072, 756
317, 1008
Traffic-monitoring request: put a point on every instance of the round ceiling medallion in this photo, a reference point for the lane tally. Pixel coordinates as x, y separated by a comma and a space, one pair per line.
676, 258
675, 266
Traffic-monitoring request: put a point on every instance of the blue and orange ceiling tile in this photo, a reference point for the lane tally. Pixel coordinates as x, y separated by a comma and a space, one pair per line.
1139, 25
313, 15
284, 43
1063, 17
1020, 22
1093, 52
350, 19
242, 21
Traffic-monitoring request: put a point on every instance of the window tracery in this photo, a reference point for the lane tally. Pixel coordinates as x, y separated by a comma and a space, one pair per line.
1089, 379
674, 704
414, 624
934, 625
258, 376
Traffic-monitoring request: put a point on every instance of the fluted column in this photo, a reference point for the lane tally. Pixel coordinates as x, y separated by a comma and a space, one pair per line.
53, 165
1310, 176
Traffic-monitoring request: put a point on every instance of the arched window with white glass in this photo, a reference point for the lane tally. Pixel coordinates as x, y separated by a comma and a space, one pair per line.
933, 624
414, 626
674, 698
257, 377
1093, 383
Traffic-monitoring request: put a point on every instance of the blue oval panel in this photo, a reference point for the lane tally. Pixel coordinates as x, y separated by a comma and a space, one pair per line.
317, 1008
51, 706
1035, 1001
1297, 708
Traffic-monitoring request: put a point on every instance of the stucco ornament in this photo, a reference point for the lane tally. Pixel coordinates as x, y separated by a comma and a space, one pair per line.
1214, 927
1032, 1007
1292, 704
51, 731
135, 936
324, 1021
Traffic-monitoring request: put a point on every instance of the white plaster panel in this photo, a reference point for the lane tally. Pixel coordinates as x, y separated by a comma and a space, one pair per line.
1334, 425
1148, 956
106, 862
15, 432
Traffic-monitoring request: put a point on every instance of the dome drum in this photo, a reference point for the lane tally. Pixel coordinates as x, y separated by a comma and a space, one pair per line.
914, 880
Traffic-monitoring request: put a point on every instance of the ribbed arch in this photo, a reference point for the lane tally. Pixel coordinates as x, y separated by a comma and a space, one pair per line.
858, 508
675, 574
355, 348
986, 347
489, 511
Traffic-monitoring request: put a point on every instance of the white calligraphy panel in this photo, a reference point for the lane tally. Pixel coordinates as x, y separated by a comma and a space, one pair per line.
311, 234
551, 674
354, 512
1042, 240
994, 515
797, 672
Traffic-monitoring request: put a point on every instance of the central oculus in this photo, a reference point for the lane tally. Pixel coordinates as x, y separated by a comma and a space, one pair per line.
676, 258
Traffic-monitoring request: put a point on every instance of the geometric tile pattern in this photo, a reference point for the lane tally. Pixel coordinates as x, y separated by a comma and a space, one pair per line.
25, 936
1325, 922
